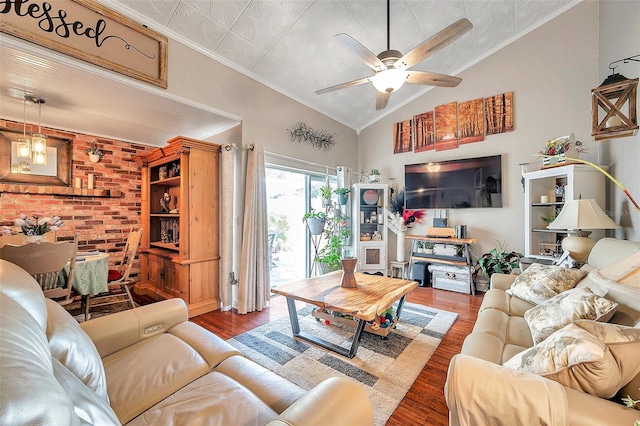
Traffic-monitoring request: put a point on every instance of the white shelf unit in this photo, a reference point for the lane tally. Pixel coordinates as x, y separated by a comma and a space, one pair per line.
369, 218
579, 180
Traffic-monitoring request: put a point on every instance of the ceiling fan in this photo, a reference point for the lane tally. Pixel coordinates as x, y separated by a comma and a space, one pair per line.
392, 67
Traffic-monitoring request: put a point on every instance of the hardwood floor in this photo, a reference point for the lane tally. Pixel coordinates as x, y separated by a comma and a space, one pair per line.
424, 404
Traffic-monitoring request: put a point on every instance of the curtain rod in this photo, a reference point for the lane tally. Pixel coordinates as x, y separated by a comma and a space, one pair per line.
285, 157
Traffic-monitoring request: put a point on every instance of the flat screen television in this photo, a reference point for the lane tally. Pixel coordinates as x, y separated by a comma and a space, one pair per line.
454, 184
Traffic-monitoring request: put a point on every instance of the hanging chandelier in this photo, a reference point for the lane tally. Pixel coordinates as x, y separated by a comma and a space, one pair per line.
24, 143
38, 140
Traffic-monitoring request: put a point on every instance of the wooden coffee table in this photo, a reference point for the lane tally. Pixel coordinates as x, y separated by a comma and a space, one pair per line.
373, 296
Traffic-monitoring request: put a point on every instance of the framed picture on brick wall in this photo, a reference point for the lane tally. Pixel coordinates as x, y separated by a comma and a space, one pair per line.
57, 171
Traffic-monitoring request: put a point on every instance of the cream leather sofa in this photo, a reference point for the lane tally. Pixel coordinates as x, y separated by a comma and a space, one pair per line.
144, 366
509, 397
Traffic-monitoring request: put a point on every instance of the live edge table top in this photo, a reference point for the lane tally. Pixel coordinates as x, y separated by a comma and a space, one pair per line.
371, 298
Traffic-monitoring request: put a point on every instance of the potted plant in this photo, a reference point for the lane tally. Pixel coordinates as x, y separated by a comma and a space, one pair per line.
95, 154
374, 176
336, 233
326, 192
34, 227
498, 260
428, 247
315, 221
343, 195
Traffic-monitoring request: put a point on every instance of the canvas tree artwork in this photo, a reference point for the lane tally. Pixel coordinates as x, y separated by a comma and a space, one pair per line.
470, 121
499, 113
402, 137
454, 124
423, 132
446, 117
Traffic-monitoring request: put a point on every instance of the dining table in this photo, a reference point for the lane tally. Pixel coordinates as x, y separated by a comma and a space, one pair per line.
90, 273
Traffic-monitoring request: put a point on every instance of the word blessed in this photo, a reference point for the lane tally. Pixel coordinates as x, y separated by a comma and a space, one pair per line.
59, 23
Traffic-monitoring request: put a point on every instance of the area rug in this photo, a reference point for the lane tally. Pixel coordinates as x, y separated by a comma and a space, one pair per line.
386, 369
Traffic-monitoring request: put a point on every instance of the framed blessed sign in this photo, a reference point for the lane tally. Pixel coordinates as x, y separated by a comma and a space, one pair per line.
91, 32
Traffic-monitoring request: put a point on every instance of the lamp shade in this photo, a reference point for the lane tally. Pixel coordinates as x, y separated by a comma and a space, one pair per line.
582, 215
578, 217
389, 80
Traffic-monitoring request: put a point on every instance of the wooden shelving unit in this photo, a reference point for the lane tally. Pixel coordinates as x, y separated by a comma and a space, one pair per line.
179, 251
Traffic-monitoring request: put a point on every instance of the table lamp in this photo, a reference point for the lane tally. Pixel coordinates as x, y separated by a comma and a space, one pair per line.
579, 217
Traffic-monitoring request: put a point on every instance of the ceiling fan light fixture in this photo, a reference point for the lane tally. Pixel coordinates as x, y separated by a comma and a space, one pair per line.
389, 80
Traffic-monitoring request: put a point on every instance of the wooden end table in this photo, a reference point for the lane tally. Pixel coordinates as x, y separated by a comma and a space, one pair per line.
374, 295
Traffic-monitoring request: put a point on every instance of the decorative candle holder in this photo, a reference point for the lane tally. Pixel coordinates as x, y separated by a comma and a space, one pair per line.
348, 278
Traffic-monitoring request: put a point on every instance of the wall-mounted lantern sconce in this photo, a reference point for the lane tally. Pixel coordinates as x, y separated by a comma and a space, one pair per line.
616, 99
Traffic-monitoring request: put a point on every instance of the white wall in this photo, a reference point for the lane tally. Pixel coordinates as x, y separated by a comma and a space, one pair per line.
620, 38
551, 72
266, 114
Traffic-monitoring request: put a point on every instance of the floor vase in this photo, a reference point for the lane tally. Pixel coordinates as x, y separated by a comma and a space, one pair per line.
400, 243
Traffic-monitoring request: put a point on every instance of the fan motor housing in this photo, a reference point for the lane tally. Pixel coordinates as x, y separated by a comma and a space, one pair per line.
389, 57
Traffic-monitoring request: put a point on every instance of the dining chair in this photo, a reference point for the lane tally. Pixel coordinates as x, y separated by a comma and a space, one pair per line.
119, 278
45, 262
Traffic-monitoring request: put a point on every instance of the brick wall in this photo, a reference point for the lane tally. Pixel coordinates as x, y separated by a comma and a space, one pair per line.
102, 223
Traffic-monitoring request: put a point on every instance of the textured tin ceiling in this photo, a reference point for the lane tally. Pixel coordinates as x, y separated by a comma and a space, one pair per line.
287, 45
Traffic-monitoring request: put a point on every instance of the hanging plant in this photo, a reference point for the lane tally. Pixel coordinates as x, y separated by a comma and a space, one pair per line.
320, 139
95, 154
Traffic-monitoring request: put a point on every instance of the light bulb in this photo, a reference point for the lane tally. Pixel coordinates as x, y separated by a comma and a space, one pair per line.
40, 158
614, 121
389, 80
39, 143
24, 148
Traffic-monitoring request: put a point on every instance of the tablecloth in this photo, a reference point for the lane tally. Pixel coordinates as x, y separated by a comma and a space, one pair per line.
90, 274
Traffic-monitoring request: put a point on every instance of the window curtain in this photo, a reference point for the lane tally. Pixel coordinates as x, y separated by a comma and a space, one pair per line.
253, 284
226, 226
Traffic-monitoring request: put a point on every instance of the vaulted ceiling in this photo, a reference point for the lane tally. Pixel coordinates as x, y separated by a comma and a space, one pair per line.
288, 45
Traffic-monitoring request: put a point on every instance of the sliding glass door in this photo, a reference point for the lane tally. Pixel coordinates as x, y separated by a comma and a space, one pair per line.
291, 193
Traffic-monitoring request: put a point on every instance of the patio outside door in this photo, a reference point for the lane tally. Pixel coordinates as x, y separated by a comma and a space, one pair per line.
290, 193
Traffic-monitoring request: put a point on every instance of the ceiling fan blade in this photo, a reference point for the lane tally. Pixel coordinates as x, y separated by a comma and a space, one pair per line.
432, 79
358, 49
343, 85
434, 43
381, 100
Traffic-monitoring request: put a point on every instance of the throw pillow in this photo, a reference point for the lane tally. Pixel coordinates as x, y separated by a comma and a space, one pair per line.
592, 357
566, 307
541, 282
